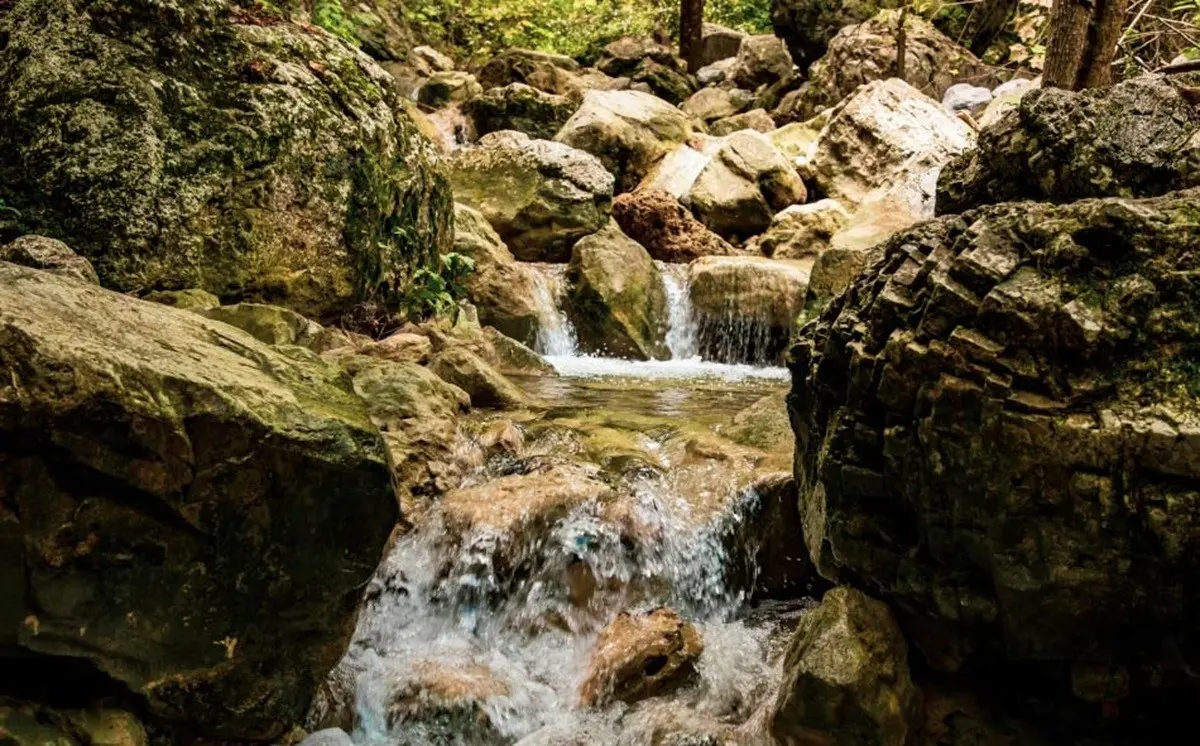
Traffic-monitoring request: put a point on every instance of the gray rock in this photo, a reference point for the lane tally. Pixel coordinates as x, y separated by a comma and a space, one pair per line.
761, 60
972, 99
328, 737
719, 43
717, 72
741, 188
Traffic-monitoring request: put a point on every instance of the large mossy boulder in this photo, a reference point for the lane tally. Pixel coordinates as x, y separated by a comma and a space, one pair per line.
189, 515
522, 108
616, 297
867, 52
846, 678
1140, 138
275, 164
629, 131
998, 431
540, 196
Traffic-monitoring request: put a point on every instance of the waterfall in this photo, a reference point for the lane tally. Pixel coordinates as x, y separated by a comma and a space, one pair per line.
556, 334
682, 329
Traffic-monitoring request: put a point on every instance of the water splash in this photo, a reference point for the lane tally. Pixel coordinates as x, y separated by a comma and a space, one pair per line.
682, 330
556, 334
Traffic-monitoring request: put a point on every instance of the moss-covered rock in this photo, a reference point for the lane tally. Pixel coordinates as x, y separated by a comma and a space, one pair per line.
449, 87
522, 108
1140, 138
486, 386
270, 325
190, 515
998, 430
616, 297
502, 290
274, 165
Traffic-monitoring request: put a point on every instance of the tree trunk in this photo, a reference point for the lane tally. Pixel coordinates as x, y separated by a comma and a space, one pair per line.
691, 33
993, 16
1083, 43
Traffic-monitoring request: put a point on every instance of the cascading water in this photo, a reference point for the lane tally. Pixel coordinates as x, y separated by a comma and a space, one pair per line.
682, 331
556, 334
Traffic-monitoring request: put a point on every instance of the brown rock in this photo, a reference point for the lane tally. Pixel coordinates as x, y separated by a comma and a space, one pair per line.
50, 255
667, 229
640, 655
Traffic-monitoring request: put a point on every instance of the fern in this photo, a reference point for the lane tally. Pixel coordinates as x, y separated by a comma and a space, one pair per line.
331, 16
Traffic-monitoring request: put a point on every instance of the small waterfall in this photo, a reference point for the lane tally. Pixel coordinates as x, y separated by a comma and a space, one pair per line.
556, 334
682, 329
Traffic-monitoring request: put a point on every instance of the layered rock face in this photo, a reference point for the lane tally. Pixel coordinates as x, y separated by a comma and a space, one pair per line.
278, 164
998, 432
1139, 139
187, 515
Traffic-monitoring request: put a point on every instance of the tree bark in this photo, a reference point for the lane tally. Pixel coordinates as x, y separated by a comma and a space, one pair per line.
1083, 43
691, 33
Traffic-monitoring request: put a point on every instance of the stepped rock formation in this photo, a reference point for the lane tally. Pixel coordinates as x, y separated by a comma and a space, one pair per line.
998, 432
187, 515
278, 164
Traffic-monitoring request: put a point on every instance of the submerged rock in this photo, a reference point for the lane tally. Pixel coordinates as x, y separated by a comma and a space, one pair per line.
1140, 138
1013, 390
744, 185
521, 108
540, 196
628, 131
640, 655
502, 289
846, 677
616, 297
50, 255
666, 229
444, 702
278, 166
172, 483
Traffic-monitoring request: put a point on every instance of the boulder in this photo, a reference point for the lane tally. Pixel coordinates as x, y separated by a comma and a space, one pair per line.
428, 61
628, 131
1140, 138
807, 26
967, 98
796, 140
746, 305
502, 290
1013, 390
446, 702
623, 57
719, 43
803, 231
50, 255
867, 52
639, 656
552, 73
1005, 98
187, 300
486, 386
540, 196
592, 79
616, 298
711, 104
761, 60
512, 358
667, 81
270, 325
755, 119
665, 228
846, 678
283, 168
445, 88
172, 484
747, 182
887, 136
521, 108
400, 347
716, 73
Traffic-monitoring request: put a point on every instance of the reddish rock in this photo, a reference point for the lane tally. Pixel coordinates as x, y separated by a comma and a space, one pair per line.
657, 221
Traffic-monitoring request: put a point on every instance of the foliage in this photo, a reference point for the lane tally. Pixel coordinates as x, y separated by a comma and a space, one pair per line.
9, 211
433, 293
331, 16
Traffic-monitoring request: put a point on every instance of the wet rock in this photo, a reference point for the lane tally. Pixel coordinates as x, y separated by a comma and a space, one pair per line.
552, 73
665, 228
328, 737
502, 290
761, 60
742, 188
804, 230
711, 104
270, 325
27, 724
866, 53
1139, 138
756, 119
142, 427
772, 533
640, 655
185, 300
885, 137
746, 305
968, 98
846, 677
512, 358
1019, 402
616, 297
808, 25
486, 386
452, 87
330, 166
540, 196
501, 437
521, 108
400, 347
444, 702
628, 131
719, 43
51, 256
